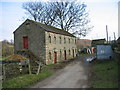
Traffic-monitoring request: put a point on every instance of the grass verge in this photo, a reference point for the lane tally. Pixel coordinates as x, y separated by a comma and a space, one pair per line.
105, 74
26, 80
84, 54
2, 58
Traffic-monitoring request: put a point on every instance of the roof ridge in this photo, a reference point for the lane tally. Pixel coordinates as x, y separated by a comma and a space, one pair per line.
55, 29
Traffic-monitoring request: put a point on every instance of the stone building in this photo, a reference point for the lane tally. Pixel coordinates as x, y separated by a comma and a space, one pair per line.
45, 42
98, 41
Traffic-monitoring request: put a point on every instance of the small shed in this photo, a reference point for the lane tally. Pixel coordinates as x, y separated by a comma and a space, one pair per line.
16, 58
104, 52
98, 42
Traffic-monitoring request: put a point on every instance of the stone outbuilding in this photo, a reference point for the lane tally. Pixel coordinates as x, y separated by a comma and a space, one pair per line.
98, 41
48, 44
15, 57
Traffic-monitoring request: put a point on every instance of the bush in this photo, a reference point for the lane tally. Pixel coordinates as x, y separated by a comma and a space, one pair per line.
7, 48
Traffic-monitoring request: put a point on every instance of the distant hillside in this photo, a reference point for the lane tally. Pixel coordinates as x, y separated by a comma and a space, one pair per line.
81, 43
7, 48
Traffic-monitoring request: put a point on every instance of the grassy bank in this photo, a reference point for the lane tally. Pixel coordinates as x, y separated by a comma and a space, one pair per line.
26, 80
105, 74
29, 80
2, 58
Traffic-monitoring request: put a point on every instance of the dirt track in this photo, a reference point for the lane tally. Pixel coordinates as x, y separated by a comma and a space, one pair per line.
74, 75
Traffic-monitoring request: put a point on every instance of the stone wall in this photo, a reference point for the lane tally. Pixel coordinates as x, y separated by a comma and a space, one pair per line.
11, 70
36, 38
66, 43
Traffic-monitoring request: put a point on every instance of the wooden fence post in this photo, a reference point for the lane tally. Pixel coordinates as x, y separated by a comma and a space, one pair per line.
29, 68
39, 68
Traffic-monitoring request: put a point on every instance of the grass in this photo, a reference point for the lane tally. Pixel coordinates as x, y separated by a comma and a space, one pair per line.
26, 80
10, 46
2, 58
105, 74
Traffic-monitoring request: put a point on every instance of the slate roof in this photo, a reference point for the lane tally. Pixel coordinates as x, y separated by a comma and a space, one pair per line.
98, 40
52, 29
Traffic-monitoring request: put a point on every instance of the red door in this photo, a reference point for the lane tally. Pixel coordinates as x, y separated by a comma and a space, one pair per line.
25, 42
65, 54
55, 57
73, 52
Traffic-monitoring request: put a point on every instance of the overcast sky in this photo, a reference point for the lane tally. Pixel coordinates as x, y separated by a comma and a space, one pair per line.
101, 13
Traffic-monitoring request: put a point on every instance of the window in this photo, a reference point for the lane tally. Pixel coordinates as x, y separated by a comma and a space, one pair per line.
50, 56
64, 40
75, 50
54, 39
60, 40
49, 39
75, 41
69, 52
27, 25
72, 40
60, 53
69, 40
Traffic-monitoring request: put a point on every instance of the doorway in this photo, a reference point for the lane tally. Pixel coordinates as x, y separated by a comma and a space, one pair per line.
73, 52
65, 54
55, 57
25, 42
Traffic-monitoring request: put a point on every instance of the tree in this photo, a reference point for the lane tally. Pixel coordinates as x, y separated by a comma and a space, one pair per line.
69, 16
11, 41
7, 48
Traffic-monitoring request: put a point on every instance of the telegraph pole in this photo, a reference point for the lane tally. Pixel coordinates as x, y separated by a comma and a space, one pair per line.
114, 36
109, 39
107, 33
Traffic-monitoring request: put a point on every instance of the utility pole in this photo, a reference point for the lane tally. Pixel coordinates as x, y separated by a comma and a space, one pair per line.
107, 33
114, 36
109, 39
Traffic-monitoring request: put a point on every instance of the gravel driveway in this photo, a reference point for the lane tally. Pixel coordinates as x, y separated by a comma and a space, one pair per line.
74, 75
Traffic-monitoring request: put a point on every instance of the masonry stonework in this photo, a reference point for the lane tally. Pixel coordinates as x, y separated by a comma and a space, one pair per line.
36, 39
60, 46
46, 42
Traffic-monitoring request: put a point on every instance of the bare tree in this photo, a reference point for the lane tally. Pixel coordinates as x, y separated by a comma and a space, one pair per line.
35, 9
40, 11
69, 16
